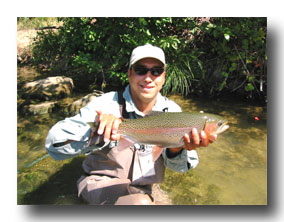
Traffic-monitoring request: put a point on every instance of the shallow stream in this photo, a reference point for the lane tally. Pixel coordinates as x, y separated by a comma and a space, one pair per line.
231, 171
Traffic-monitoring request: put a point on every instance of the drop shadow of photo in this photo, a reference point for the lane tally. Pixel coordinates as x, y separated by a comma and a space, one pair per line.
60, 188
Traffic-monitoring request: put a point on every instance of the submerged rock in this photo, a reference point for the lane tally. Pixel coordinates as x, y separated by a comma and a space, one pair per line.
160, 196
78, 104
41, 108
50, 88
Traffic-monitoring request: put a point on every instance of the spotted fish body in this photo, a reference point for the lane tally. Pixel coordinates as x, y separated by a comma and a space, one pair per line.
164, 129
167, 129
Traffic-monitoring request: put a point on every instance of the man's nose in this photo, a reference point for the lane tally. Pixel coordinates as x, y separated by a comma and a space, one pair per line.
148, 76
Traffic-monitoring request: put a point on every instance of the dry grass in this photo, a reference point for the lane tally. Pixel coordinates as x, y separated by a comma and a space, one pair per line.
27, 23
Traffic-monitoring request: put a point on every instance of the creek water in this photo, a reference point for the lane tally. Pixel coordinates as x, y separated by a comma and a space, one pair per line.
231, 171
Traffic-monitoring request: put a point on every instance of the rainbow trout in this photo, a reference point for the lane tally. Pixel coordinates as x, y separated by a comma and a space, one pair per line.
167, 129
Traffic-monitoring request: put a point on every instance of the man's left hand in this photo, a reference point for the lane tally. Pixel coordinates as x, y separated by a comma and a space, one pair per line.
197, 140
193, 142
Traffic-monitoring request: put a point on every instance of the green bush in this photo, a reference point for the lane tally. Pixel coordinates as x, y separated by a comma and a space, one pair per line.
208, 56
236, 56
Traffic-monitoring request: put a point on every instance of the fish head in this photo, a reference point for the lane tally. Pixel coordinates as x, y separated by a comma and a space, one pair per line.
215, 125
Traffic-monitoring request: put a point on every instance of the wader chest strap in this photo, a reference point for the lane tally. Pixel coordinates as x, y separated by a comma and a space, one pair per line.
122, 105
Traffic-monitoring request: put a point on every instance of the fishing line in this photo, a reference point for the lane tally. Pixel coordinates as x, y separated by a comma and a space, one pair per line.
34, 162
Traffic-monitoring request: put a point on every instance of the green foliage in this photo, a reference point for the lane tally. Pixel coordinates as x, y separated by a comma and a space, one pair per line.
210, 56
236, 56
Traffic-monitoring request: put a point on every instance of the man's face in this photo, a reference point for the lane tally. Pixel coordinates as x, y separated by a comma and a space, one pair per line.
146, 87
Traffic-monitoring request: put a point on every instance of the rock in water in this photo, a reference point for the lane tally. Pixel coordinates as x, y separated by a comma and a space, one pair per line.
56, 87
41, 108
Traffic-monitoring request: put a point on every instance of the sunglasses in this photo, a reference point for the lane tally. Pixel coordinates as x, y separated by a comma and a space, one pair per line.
142, 70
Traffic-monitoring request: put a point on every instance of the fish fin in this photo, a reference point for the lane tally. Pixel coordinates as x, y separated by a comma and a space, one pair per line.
124, 142
96, 139
156, 152
93, 125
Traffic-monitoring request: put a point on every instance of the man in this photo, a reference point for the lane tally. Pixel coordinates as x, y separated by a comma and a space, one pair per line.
114, 176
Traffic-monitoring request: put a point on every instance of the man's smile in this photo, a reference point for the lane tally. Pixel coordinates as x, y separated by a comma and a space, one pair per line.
147, 87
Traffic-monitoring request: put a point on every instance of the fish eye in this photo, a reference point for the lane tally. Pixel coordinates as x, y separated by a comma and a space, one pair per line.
220, 123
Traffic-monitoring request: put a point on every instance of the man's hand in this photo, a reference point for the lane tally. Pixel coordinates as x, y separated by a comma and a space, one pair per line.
108, 126
197, 140
193, 142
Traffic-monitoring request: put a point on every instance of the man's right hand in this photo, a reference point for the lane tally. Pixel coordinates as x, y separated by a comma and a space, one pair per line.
108, 126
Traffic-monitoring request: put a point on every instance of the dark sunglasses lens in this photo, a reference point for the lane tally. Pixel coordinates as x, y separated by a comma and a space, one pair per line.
157, 71
140, 70
143, 70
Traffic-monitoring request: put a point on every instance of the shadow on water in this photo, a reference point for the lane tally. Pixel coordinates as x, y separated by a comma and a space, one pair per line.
60, 188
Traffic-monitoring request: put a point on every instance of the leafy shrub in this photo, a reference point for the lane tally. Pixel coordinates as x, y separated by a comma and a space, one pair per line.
210, 56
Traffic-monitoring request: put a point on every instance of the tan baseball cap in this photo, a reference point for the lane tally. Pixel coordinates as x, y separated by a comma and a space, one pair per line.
147, 51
